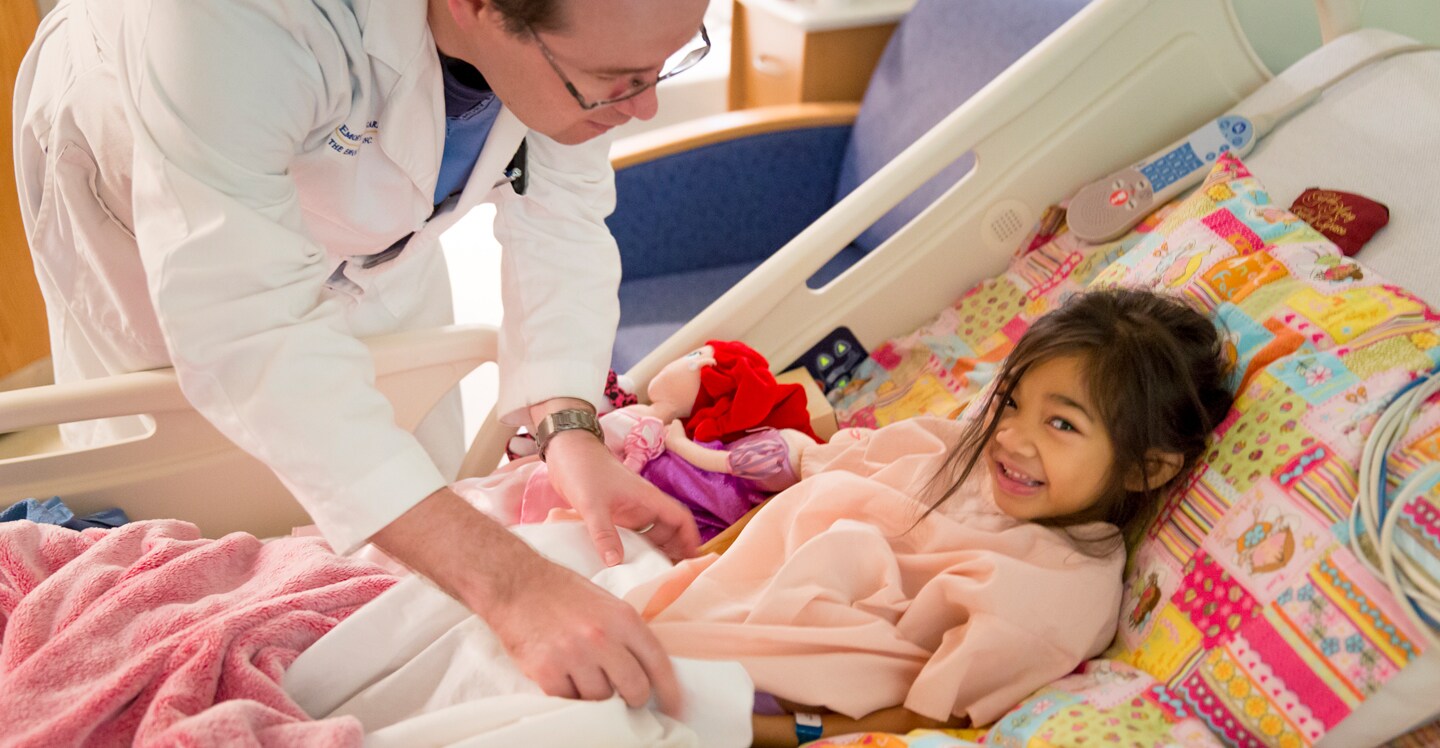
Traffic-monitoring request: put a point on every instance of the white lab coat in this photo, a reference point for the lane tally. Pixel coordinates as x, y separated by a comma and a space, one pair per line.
229, 156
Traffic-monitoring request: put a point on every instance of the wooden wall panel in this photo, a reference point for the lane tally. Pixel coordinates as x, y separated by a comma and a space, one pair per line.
23, 336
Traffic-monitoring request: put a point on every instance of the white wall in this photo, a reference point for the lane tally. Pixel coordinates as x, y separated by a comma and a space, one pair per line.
1283, 31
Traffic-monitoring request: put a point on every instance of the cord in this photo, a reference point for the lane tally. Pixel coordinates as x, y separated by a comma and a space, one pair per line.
1377, 513
1264, 122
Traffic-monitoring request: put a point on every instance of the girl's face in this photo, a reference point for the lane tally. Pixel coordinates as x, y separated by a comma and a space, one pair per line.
1051, 455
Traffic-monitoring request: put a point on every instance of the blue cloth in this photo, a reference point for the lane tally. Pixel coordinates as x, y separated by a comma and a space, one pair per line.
53, 511
470, 112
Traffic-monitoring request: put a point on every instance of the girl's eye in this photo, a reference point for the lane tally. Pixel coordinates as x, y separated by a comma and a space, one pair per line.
1062, 424
1010, 403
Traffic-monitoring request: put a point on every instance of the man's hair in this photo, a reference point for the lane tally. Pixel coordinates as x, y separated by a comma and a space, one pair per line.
522, 15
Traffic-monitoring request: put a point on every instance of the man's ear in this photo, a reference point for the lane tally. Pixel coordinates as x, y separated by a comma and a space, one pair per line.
469, 8
1160, 467
466, 15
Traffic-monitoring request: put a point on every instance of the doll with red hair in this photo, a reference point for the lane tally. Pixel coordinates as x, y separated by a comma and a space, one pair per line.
719, 434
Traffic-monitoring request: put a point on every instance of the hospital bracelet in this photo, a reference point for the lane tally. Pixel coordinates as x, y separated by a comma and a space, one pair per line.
807, 727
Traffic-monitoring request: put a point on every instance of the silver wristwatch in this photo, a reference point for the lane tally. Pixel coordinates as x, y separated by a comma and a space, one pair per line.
564, 420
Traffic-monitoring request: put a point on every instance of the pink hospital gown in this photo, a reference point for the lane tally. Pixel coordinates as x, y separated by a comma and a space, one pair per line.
838, 595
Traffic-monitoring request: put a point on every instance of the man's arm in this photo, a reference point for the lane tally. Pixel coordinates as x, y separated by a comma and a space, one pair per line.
560, 279
560, 273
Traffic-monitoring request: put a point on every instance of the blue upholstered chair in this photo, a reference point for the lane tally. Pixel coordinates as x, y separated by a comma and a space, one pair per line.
697, 212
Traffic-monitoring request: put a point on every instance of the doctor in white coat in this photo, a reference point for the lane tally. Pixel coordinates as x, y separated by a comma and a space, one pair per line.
242, 189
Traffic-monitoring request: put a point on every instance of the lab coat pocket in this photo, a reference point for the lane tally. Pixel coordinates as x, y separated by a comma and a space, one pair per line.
355, 275
103, 276
402, 285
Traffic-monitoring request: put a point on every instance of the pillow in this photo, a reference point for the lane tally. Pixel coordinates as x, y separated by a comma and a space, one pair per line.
1243, 601
937, 369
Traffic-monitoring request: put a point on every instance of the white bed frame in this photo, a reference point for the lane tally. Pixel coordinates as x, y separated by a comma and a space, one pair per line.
1038, 131
184, 468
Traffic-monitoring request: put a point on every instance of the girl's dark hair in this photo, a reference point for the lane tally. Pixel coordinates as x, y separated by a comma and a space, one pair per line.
1154, 369
522, 15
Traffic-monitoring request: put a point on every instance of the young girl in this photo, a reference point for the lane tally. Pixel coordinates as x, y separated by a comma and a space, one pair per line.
837, 596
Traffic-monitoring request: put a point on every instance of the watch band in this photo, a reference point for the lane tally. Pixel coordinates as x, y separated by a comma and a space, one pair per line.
565, 420
808, 727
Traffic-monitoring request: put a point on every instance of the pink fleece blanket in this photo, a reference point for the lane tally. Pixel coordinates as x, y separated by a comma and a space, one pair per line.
150, 635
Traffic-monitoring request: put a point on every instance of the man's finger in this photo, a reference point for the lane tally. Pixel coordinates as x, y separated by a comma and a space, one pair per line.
660, 672
591, 683
675, 531
554, 682
629, 678
603, 535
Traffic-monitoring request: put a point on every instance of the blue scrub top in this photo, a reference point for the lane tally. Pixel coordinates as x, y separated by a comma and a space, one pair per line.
470, 112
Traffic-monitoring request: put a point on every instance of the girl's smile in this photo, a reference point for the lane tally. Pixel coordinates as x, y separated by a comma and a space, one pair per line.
1013, 480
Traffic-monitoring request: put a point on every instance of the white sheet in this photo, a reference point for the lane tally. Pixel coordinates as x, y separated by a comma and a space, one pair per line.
1375, 133
417, 668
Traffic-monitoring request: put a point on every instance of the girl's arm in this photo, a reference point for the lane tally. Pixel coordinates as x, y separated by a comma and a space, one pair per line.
778, 731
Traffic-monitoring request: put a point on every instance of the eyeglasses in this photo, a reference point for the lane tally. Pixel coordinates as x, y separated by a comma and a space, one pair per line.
689, 60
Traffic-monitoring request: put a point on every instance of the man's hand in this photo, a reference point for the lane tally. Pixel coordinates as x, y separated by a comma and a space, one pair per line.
572, 638
578, 641
606, 494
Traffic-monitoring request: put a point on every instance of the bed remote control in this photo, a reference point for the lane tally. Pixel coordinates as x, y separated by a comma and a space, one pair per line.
1106, 209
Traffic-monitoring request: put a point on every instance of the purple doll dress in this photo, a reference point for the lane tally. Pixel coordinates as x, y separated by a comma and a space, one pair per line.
719, 500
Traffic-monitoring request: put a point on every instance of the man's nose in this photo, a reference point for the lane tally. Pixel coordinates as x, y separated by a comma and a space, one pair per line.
642, 106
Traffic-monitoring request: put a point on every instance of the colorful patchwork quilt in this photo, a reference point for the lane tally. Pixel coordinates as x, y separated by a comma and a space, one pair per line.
1247, 620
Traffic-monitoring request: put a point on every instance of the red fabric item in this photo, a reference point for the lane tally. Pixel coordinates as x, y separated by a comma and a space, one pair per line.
1345, 218
738, 394
618, 396
150, 635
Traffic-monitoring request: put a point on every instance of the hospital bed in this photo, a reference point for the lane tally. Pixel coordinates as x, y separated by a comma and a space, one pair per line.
1120, 80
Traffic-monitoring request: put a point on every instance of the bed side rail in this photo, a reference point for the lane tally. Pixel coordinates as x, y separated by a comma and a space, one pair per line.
1116, 82
183, 467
